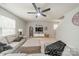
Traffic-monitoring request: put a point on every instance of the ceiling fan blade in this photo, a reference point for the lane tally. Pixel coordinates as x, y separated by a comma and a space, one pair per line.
35, 6
43, 15
31, 12
46, 10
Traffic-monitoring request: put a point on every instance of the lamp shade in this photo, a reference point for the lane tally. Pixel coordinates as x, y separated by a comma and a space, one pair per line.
20, 30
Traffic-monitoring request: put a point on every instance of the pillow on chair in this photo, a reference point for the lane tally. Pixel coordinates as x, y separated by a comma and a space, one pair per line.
55, 49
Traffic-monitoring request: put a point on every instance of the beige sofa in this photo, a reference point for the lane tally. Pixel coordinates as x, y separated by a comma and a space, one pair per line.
16, 45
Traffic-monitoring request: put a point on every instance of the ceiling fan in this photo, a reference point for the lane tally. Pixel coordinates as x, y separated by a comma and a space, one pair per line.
38, 11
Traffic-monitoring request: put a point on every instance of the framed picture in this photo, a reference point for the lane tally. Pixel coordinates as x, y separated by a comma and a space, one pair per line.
75, 19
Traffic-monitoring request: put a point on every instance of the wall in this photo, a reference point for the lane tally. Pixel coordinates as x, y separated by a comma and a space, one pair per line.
68, 32
47, 24
20, 24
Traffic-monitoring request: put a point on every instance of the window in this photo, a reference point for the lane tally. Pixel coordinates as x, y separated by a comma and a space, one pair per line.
7, 26
55, 26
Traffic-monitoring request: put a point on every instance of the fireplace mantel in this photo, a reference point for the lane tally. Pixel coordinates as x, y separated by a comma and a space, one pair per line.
39, 35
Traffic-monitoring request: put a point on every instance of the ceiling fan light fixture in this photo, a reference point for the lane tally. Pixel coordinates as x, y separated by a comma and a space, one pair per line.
38, 14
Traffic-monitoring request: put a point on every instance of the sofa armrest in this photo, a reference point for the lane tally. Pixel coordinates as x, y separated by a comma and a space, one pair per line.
19, 45
43, 46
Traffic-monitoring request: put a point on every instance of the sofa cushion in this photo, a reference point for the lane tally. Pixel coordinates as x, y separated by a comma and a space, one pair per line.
13, 44
3, 40
18, 39
10, 38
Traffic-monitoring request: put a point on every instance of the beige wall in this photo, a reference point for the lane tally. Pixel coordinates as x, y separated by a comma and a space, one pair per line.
68, 32
47, 24
20, 24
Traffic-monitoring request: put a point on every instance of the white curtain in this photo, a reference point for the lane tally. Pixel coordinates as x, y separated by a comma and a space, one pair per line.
7, 26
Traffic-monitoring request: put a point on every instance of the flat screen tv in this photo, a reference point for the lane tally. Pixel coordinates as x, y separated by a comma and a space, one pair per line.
38, 29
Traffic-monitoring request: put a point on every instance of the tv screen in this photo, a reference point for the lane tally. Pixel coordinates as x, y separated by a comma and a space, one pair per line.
39, 29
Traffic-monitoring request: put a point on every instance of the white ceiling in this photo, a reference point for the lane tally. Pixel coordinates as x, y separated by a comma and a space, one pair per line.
21, 9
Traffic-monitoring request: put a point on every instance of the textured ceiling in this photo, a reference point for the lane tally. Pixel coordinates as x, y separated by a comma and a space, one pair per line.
21, 9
